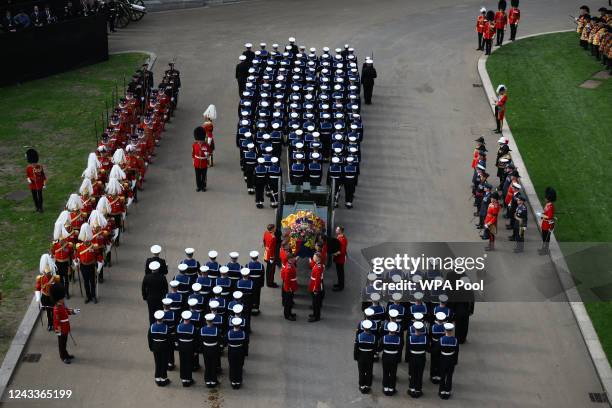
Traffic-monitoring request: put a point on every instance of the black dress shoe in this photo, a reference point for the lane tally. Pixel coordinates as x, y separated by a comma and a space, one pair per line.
313, 319
290, 318
170, 367
273, 285
70, 356
101, 279
66, 361
204, 189
95, 300
198, 189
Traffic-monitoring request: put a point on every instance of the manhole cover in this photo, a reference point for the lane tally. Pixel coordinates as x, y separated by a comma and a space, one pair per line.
602, 75
17, 195
590, 84
31, 358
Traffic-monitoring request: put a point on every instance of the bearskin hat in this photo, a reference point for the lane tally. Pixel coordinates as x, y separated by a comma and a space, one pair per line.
32, 156
550, 194
58, 292
514, 3
501, 5
199, 134
490, 15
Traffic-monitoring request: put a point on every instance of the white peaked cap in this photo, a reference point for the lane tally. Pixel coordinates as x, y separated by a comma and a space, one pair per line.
217, 290
396, 296
117, 172
335, 159
500, 87
392, 327
154, 265
248, 45
118, 156
183, 267
167, 301
156, 249
85, 234
46, 263
449, 326
245, 271
236, 321
224, 269
234, 255
174, 283
237, 308
242, 57
213, 254
366, 324
418, 295
393, 313
210, 316
196, 287
368, 311
192, 302
189, 251
237, 294
159, 315
213, 304
440, 316
86, 186
291, 39
104, 205
74, 202
418, 316
483, 10
204, 268
502, 140
418, 325
186, 315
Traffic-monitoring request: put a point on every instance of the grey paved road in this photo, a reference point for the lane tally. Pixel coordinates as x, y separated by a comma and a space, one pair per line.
414, 186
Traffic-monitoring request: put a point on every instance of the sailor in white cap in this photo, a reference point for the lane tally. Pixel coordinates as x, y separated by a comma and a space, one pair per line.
177, 298
224, 282
213, 265
171, 318
163, 267
246, 286
160, 337
368, 74
210, 341
298, 169
192, 264
196, 294
248, 52
238, 349
392, 346
234, 268
154, 288
256, 274
274, 177
184, 287
237, 310
416, 346
294, 48
186, 338
261, 180
242, 73
365, 345
449, 354
334, 174
436, 332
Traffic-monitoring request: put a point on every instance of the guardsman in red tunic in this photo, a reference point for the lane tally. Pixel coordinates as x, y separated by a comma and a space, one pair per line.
44, 283
340, 258
315, 287
210, 114
490, 222
269, 244
36, 178
74, 205
514, 15
480, 26
548, 219
489, 32
200, 153
501, 21
87, 255
61, 323
101, 239
479, 142
500, 107
116, 200
290, 286
62, 251
88, 201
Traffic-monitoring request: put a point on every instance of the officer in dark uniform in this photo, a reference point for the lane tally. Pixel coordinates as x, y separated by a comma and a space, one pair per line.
416, 346
249, 162
171, 319
154, 289
248, 52
242, 73
274, 175
256, 272
520, 223
238, 349
261, 180
368, 74
462, 307
187, 341
163, 267
210, 338
391, 347
349, 173
449, 354
436, 332
365, 345
160, 337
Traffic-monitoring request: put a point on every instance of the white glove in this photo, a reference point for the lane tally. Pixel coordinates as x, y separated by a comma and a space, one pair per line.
539, 214
77, 311
37, 296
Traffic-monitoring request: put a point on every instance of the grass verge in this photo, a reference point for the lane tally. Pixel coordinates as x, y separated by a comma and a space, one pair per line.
563, 132
54, 115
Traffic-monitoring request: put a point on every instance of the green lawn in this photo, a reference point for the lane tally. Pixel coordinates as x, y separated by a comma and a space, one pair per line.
563, 132
56, 116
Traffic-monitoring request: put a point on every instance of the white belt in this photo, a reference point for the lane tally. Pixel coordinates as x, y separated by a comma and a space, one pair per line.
159, 340
64, 321
390, 352
210, 344
293, 280
436, 340
361, 349
417, 352
186, 340
235, 345
447, 354
200, 157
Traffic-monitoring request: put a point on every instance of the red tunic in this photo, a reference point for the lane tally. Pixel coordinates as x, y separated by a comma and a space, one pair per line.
36, 176
316, 279
514, 15
501, 106
76, 220
44, 283
86, 252
61, 322
62, 250
269, 242
501, 20
199, 153
324, 254
117, 204
492, 212
480, 24
509, 194
284, 257
489, 31
89, 204
289, 277
475, 158
341, 257
548, 221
